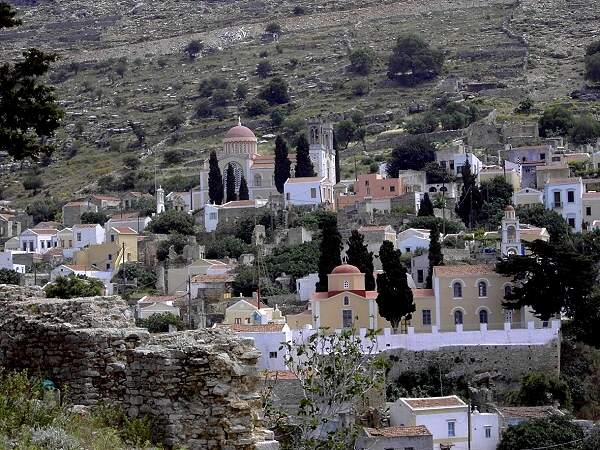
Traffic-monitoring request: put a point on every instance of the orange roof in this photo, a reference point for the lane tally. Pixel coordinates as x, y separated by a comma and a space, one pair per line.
345, 268
463, 270
279, 375
241, 328
106, 197
419, 430
125, 230
591, 195
528, 412
420, 293
434, 402
304, 179
565, 181
220, 278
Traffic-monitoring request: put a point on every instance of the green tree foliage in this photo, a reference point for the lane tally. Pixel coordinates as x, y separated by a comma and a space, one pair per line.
345, 132
296, 260
176, 240
146, 278
193, 48
470, 201
99, 217
413, 61
359, 255
73, 286
215, 180
556, 121
45, 210
437, 174
226, 247
246, 281
8, 276
540, 389
273, 28
330, 249
425, 206
580, 368
525, 106
592, 61
428, 222
304, 166
159, 323
172, 157
275, 92
172, 221
361, 61
230, 184
209, 85
264, 69
241, 91
394, 297
427, 123
413, 154
33, 183
7, 16
131, 162
243, 193
435, 255
257, 107
550, 432
496, 195
585, 130
282, 164
537, 215
552, 279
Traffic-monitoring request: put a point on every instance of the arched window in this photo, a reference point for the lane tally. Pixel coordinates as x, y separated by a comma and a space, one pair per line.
443, 189
508, 315
457, 289
346, 301
507, 290
483, 316
257, 180
432, 189
511, 233
346, 284
482, 288
458, 317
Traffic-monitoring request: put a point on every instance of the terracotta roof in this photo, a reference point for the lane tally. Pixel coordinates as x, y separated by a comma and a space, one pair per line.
125, 230
47, 225
86, 225
106, 197
319, 295
419, 430
434, 402
279, 375
6, 216
564, 181
43, 230
463, 270
509, 208
420, 293
591, 195
240, 131
125, 215
240, 328
221, 278
373, 228
345, 268
304, 179
527, 412
240, 204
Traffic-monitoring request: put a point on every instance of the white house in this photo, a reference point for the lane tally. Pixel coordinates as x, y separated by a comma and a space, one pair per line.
252, 312
447, 418
213, 214
565, 197
306, 286
528, 197
132, 221
64, 270
308, 191
87, 234
37, 240
413, 238
151, 304
6, 261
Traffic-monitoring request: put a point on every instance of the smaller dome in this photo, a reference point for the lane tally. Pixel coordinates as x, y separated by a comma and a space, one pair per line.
240, 132
509, 208
345, 268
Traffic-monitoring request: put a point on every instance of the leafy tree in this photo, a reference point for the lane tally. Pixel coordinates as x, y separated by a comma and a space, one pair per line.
278, 116
394, 297
555, 431
33, 183
121, 67
496, 195
361, 61
299, 10
525, 106
556, 121
336, 148
246, 281
73, 286
146, 278
172, 221
304, 166
8, 276
344, 133
435, 255
43, 210
273, 28
175, 119
359, 87
414, 61
209, 85
172, 157
428, 123
428, 222
296, 260
537, 215
592, 67
221, 97
230, 184
256, 107
243, 193
241, 91
540, 389
425, 207
7, 16
215, 180
282, 164
552, 279
131, 162
359, 255
413, 154
159, 323
437, 174
470, 201
264, 69
275, 92
193, 48
226, 247
331, 248
176, 241
586, 130
99, 217
592, 441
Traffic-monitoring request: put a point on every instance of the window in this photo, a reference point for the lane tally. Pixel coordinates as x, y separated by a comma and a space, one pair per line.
112, 238
248, 321
287, 196
557, 199
451, 429
272, 355
78, 237
426, 317
458, 317
483, 316
346, 284
313, 193
542, 156
257, 180
508, 316
443, 164
366, 182
588, 210
238, 321
408, 250
109, 257
488, 432
451, 165
457, 289
107, 266
392, 188
511, 233
432, 189
507, 290
571, 221
42, 243
346, 301
545, 324
482, 288
368, 191
419, 275
570, 196
347, 318
212, 216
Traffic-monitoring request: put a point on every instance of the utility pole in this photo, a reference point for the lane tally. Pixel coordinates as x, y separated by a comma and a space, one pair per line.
189, 302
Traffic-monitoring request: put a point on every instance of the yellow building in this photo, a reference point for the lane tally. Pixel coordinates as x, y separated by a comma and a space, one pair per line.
511, 176
120, 246
248, 311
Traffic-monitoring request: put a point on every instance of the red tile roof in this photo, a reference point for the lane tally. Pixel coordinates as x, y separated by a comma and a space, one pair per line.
528, 412
420, 293
591, 195
434, 402
460, 270
419, 430
304, 180
125, 230
241, 328
279, 375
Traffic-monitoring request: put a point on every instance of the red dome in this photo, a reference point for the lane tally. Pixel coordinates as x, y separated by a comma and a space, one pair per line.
240, 132
509, 208
345, 268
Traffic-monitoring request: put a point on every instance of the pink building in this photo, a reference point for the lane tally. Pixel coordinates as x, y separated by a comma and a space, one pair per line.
372, 186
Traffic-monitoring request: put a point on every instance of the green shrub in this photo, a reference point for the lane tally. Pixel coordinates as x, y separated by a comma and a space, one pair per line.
263, 69
359, 87
257, 107
361, 61
273, 28
159, 323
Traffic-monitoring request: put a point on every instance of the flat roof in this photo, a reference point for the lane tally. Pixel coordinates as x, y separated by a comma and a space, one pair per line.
419, 430
434, 402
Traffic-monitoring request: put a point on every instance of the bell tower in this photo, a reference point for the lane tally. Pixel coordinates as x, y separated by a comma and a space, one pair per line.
511, 233
320, 140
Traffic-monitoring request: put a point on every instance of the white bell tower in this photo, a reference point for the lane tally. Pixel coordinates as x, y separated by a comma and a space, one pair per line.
322, 155
511, 233
160, 200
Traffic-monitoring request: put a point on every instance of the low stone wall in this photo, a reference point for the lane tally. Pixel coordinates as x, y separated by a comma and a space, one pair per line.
201, 388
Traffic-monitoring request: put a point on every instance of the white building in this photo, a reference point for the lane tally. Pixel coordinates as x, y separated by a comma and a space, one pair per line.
306, 286
308, 191
64, 270
134, 222
151, 304
447, 418
511, 234
565, 197
413, 238
213, 214
37, 240
528, 197
6, 261
87, 234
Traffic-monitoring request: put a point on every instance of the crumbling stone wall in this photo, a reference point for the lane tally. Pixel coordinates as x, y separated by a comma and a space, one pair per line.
200, 387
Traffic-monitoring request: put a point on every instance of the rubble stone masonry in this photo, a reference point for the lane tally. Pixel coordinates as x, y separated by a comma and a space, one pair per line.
201, 388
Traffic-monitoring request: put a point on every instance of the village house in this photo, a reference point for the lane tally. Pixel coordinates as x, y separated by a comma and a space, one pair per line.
7, 261
184, 201
373, 186
87, 234
590, 209
38, 240
306, 286
11, 224
64, 270
527, 197
149, 305
392, 438
105, 202
132, 199
231, 212
509, 174
408, 241
549, 172
510, 416
132, 220
565, 197
374, 236
72, 211
308, 191
178, 278
120, 246
252, 311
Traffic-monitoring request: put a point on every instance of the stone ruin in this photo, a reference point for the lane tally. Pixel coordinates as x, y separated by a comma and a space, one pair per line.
200, 388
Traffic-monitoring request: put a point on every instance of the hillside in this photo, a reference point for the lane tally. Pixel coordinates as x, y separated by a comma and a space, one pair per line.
122, 62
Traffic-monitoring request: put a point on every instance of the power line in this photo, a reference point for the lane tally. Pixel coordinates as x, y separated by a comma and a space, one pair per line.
556, 445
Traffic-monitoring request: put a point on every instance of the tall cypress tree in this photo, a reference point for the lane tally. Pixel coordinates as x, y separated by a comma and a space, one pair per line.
215, 180
243, 193
304, 166
282, 164
425, 207
330, 248
470, 201
394, 298
436, 257
359, 255
231, 195
336, 147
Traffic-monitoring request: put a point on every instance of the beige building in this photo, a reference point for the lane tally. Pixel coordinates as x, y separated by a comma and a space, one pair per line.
248, 311
545, 174
120, 246
590, 205
511, 176
528, 197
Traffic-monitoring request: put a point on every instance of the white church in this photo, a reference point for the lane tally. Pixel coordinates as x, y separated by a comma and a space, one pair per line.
240, 149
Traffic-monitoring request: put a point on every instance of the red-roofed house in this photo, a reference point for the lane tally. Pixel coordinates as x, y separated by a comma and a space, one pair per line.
308, 191
121, 245
231, 212
103, 201
72, 211
416, 438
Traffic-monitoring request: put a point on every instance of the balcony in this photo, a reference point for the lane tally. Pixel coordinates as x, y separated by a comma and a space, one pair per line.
557, 205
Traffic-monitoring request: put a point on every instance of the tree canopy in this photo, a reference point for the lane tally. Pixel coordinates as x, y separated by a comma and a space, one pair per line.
358, 255
414, 61
230, 193
275, 92
556, 121
548, 432
361, 60
72, 286
592, 61
215, 180
539, 216
541, 389
435, 255
99, 217
425, 206
296, 260
345, 132
8, 276
159, 323
414, 154
470, 201
172, 221
304, 166
282, 164
243, 193
330, 249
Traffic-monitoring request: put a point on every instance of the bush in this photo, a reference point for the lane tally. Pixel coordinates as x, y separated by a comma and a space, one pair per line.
176, 240
299, 10
586, 130
226, 247
209, 85
32, 183
193, 48
592, 67
172, 157
8, 276
361, 61
73, 286
241, 91
428, 123
94, 217
263, 69
221, 97
427, 222
276, 92
257, 107
413, 154
146, 278
556, 121
414, 61
525, 106
158, 323
131, 162
121, 68
204, 109
359, 88
175, 119
273, 28
278, 115
172, 221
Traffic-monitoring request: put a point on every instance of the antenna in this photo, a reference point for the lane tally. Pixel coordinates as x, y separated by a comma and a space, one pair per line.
239, 121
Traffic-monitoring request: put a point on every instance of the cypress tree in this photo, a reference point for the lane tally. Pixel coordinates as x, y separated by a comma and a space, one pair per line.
470, 201
425, 207
243, 193
230, 188
338, 176
358, 255
215, 180
304, 166
394, 298
436, 257
282, 164
330, 248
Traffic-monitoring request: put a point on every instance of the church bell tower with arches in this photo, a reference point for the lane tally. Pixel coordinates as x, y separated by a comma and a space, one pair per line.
511, 233
322, 154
